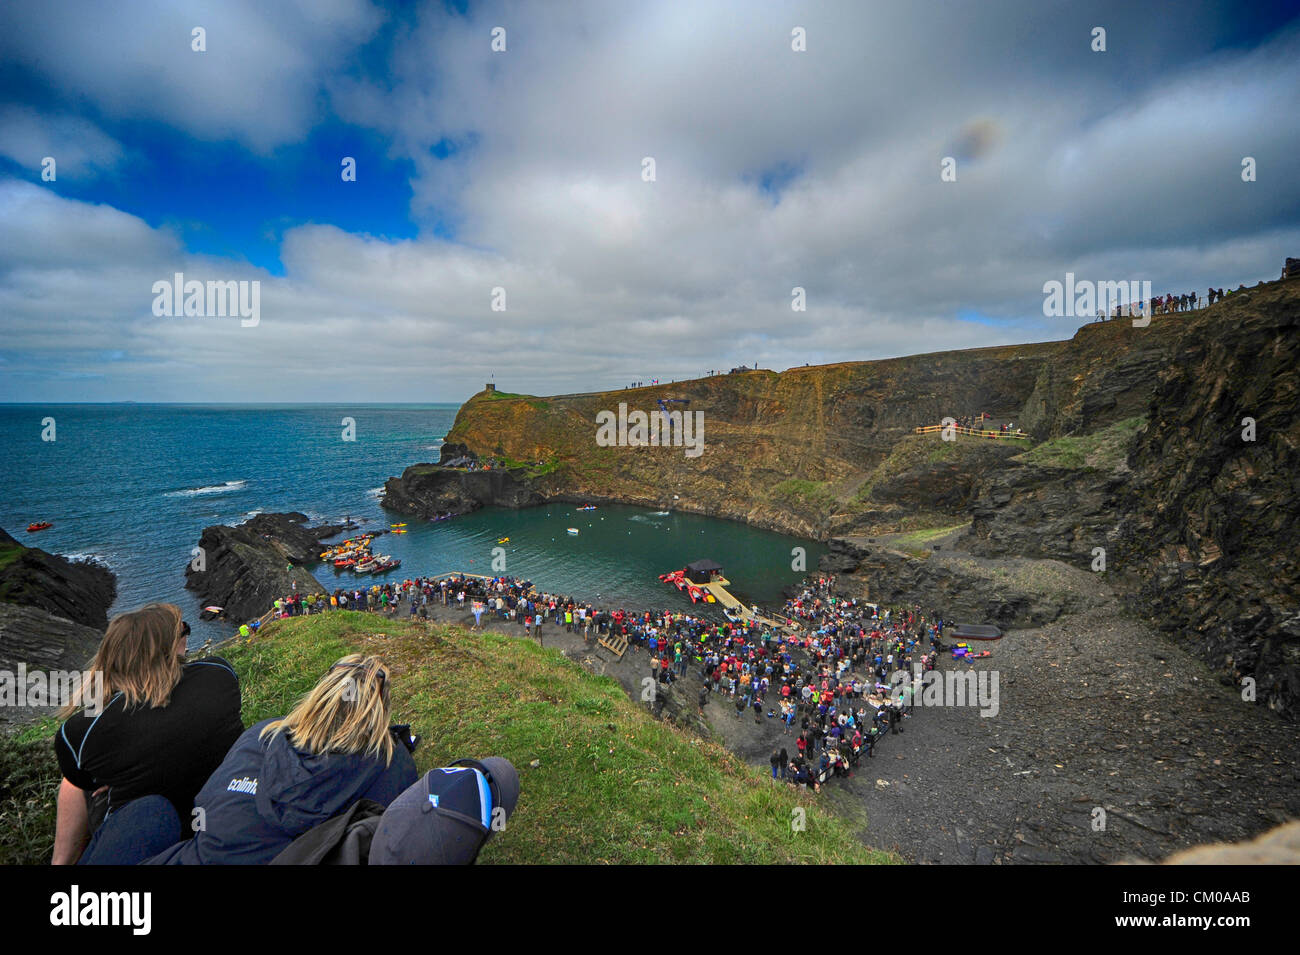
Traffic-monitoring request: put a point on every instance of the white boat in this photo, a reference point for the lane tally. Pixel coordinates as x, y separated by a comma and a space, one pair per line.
573, 531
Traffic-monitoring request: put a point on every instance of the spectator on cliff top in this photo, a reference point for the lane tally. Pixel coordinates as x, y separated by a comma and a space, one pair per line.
135, 751
285, 776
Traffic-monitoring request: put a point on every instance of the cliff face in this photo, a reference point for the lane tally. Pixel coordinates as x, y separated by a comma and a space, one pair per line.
42, 642
428, 490
1198, 512
801, 451
1215, 499
1137, 449
248, 567
52, 614
785, 451
80, 592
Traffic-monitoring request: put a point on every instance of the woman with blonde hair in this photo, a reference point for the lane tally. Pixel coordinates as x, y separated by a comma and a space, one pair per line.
285, 776
140, 735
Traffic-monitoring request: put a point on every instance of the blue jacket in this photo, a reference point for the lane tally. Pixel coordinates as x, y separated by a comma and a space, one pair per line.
266, 793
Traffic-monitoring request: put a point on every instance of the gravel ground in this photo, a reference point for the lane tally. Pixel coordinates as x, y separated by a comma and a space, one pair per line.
1109, 743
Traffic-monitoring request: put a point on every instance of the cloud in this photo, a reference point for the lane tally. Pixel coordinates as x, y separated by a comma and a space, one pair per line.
259, 81
80, 149
774, 169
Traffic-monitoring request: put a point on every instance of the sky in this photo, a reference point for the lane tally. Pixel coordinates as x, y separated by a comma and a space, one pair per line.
503, 225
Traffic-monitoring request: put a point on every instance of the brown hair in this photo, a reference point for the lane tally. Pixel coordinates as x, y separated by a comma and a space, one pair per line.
137, 658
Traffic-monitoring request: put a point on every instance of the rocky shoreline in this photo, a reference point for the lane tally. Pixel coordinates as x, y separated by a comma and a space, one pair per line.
53, 612
246, 568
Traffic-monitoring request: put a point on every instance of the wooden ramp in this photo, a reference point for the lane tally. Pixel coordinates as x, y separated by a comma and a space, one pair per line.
615, 645
723, 596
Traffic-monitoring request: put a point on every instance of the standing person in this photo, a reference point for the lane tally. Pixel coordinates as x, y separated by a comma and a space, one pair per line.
478, 614
783, 760
142, 734
285, 776
775, 760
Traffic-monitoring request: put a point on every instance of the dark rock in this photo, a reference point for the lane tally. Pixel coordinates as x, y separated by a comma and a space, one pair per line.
843, 557
430, 490
78, 591
248, 567
41, 641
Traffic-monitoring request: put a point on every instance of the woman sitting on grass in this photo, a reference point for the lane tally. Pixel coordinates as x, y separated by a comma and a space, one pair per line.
140, 736
284, 776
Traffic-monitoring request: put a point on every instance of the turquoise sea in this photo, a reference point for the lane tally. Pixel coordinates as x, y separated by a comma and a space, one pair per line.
133, 486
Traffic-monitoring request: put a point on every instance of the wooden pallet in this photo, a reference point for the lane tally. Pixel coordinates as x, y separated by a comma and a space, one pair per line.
615, 645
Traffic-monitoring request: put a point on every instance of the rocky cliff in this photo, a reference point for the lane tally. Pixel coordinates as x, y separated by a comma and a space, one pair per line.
40, 641
1141, 461
1213, 509
786, 451
78, 591
52, 614
247, 567
433, 490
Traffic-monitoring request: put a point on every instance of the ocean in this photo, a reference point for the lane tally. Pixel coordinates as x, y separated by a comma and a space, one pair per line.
133, 485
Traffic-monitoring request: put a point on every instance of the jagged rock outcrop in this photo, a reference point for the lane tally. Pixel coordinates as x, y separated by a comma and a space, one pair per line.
247, 567
1057, 513
78, 591
1214, 503
1012, 592
1200, 520
435, 490
44, 642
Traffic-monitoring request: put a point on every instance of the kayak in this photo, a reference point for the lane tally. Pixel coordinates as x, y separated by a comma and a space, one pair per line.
38, 526
572, 530
396, 525
400, 530
503, 540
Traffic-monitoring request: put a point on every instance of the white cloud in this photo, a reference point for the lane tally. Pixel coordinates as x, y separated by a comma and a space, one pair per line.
259, 81
1075, 163
79, 148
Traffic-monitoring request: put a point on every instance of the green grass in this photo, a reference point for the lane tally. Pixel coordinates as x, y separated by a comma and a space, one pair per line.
497, 395
29, 780
10, 553
1102, 450
801, 493
533, 469
613, 784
